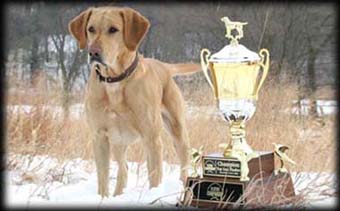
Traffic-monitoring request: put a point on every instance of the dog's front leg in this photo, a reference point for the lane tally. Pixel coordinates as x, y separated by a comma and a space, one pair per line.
154, 153
119, 152
101, 146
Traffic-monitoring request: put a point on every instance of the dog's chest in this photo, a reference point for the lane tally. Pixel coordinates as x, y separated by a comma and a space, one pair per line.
111, 113
122, 129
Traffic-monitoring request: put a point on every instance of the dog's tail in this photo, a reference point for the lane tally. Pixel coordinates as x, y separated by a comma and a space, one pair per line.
183, 68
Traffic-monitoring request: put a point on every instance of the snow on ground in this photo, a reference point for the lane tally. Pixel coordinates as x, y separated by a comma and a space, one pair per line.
319, 188
76, 110
45, 181
42, 180
324, 107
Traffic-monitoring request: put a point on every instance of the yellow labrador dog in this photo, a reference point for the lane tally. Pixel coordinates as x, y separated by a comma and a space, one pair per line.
128, 97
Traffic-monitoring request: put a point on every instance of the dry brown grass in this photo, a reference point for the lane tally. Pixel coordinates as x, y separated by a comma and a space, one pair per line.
312, 142
40, 130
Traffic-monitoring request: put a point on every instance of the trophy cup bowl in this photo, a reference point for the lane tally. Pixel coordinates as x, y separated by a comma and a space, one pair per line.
236, 86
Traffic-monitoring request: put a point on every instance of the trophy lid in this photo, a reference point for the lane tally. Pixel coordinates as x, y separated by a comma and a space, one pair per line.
235, 53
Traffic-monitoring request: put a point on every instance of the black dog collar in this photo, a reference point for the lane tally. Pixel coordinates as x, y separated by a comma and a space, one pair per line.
122, 76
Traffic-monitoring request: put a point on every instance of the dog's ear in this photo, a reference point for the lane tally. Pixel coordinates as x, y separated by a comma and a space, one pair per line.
77, 27
134, 29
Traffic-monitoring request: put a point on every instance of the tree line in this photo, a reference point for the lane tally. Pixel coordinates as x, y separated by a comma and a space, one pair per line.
300, 37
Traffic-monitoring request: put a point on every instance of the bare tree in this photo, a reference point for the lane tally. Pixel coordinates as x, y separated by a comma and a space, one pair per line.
318, 32
70, 59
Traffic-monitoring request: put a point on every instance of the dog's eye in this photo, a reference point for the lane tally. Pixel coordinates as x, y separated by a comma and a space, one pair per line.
91, 29
112, 30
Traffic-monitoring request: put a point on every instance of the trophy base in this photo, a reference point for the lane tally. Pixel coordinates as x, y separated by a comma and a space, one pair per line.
221, 186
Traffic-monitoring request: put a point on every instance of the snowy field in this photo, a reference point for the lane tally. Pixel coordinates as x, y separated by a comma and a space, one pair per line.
43, 181
324, 107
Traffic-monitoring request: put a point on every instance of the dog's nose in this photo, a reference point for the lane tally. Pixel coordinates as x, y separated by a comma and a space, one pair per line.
95, 52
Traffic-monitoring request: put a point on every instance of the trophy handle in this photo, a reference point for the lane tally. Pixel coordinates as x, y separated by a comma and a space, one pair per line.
264, 63
205, 53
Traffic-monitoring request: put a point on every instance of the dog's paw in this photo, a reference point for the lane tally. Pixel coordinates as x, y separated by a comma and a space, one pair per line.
117, 192
103, 193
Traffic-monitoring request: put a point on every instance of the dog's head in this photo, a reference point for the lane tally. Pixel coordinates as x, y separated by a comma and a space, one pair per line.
109, 33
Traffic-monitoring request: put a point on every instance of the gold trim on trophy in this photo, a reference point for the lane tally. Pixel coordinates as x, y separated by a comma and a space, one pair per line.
280, 151
196, 158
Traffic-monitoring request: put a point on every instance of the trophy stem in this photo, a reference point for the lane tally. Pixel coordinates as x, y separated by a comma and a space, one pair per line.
238, 148
238, 141
237, 130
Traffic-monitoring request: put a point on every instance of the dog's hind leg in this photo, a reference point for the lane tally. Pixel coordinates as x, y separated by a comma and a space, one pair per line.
119, 152
101, 150
174, 120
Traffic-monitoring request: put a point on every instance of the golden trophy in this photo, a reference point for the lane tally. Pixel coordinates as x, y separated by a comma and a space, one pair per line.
236, 75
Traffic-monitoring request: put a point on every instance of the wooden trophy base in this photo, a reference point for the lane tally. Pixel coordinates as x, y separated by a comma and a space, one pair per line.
220, 186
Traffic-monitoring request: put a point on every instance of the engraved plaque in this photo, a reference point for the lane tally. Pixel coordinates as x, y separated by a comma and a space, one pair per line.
215, 191
219, 167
